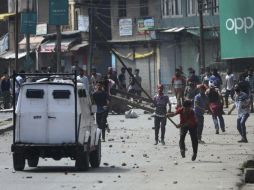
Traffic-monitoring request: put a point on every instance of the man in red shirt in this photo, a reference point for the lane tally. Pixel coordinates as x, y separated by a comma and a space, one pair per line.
188, 122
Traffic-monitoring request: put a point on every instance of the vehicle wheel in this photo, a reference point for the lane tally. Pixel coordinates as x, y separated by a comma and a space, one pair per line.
95, 156
82, 161
18, 161
33, 162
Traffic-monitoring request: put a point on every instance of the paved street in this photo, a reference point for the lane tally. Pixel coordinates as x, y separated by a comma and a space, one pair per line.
131, 161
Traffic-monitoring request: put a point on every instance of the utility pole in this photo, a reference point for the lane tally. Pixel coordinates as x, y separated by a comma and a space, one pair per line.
58, 48
91, 38
201, 31
16, 34
27, 37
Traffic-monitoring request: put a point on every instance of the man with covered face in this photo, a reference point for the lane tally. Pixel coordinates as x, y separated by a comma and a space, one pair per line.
178, 85
160, 101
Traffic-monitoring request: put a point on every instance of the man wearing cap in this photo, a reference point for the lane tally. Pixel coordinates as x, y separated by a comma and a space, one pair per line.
200, 107
160, 101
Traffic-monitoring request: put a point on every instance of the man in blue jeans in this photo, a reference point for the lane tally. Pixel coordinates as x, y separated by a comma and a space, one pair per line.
160, 101
242, 104
200, 107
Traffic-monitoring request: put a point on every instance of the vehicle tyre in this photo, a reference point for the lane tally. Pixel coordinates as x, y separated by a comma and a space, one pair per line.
82, 161
18, 161
95, 156
33, 162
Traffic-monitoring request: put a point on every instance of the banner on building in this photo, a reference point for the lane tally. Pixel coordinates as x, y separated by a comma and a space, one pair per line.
58, 12
83, 23
41, 29
145, 24
28, 22
125, 27
236, 28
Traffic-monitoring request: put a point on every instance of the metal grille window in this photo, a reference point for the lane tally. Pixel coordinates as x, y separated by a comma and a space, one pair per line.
215, 6
192, 7
172, 8
34, 93
61, 94
122, 8
143, 7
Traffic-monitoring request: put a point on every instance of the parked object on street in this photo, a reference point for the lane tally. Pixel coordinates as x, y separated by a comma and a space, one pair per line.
53, 119
131, 114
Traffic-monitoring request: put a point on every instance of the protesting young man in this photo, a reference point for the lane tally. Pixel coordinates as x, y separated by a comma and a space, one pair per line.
160, 101
188, 122
200, 107
242, 104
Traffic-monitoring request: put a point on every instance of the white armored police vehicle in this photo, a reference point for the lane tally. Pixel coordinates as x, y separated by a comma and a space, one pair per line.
53, 119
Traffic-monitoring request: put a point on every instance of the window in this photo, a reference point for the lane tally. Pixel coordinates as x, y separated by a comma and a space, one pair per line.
215, 6
192, 7
172, 7
143, 7
34, 93
122, 8
61, 94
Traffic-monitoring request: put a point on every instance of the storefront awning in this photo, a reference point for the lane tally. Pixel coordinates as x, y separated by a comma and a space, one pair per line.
34, 42
50, 45
11, 55
4, 16
78, 46
208, 34
174, 30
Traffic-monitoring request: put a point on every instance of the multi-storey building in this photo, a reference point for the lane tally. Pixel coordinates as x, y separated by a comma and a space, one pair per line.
131, 21
75, 36
163, 35
179, 35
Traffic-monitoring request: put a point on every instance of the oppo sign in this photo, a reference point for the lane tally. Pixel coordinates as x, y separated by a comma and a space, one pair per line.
240, 24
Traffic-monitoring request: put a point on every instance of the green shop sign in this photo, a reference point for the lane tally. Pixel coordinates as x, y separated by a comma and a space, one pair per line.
236, 28
58, 12
28, 22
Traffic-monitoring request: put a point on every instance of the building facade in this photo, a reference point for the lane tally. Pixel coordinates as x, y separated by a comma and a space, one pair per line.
179, 36
130, 22
75, 48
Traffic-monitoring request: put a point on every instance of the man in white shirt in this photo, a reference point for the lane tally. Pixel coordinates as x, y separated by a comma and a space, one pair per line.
82, 78
229, 85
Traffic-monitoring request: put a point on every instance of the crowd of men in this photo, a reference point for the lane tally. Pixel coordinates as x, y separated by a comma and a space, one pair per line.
197, 95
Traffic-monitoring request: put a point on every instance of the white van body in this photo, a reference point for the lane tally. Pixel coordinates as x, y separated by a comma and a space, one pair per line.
45, 118
51, 121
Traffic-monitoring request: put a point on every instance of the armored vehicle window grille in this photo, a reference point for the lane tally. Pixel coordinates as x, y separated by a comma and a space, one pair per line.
82, 93
61, 94
34, 93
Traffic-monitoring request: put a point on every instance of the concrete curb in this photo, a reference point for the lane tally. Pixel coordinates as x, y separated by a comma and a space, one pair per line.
6, 128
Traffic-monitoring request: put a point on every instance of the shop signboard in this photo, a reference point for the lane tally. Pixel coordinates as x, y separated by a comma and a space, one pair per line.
236, 28
28, 22
125, 27
58, 12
